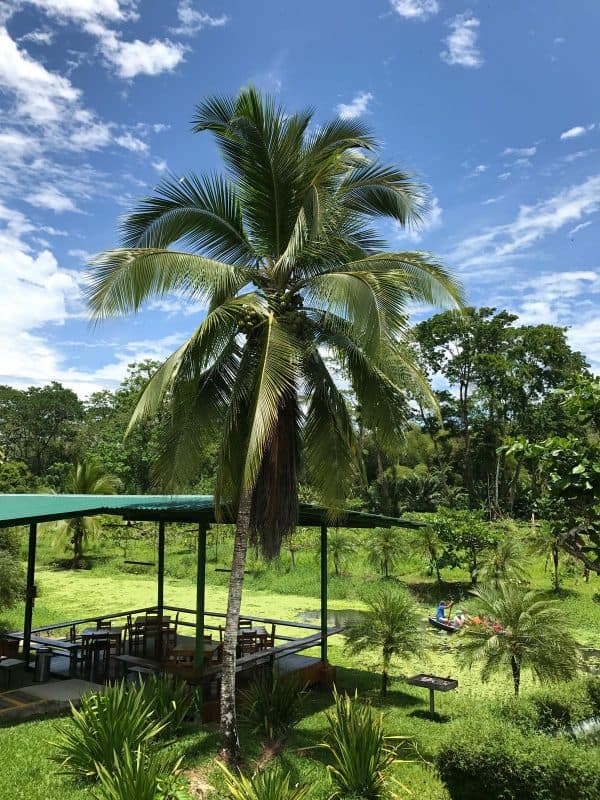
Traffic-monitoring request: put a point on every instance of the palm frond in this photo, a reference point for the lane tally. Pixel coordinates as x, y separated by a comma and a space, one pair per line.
121, 280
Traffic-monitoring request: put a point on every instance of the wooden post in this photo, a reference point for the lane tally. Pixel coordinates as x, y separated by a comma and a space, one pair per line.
29, 591
160, 588
431, 701
324, 593
200, 592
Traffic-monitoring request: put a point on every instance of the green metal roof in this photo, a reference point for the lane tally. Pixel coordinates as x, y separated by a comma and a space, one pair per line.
21, 509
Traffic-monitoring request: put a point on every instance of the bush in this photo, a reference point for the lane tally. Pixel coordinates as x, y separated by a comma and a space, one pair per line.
271, 784
489, 758
272, 707
144, 775
593, 691
172, 701
549, 710
103, 725
362, 756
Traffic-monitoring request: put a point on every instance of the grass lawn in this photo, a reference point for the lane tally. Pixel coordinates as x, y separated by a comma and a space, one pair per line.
285, 593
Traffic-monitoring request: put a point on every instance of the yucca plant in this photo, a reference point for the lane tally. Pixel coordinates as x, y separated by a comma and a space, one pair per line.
361, 752
172, 701
272, 706
140, 775
270, 784
104, 724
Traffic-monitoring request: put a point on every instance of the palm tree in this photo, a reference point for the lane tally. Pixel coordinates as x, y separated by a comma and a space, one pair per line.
506, 562
391, 624
521, 630
289, 266
384, 548
339, 549
86, 477
544, 540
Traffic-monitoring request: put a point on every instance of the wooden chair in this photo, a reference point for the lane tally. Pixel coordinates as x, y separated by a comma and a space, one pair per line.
247, 643
245, 623
270, 637
95, 658
103, 624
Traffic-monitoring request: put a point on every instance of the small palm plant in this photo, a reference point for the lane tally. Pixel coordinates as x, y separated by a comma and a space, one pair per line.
385, 549
339, 548
361, 753
391, 625
520, 630
86, 477
506, 562
272, 706
141, 775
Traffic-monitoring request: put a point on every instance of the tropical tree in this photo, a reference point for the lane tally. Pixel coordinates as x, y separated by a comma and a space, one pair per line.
504, 562
288, 264
384, 548
339, 548
520, 629
86, 477
391, 625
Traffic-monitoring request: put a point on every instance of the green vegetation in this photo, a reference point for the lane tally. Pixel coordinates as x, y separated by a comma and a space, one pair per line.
142, 775
390, 626
270, 784
271, 706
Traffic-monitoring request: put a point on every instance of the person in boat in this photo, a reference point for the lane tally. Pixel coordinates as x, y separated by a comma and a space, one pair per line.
440, 613
459, 618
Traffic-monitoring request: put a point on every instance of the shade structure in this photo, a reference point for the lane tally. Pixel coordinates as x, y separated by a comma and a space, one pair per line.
24, 509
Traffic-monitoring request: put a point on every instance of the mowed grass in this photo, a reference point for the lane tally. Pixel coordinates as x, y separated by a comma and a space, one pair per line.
283, 592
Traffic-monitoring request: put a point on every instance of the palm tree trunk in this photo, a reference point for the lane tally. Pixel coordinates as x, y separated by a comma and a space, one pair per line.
77, 544
516, 672
555, 559
230, 751
385, 675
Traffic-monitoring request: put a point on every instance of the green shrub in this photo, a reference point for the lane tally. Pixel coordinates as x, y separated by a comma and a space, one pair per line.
593, 690
487, 758
361, 752
103, 725
172, 700
271, 784
549, 710
272, 706
144, 775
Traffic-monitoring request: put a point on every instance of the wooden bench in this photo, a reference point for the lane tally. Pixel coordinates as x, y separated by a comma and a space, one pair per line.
137, 664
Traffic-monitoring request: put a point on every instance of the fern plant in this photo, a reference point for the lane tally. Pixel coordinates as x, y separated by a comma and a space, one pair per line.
272, 707
361, 753
104, 724
141, 775
270, 784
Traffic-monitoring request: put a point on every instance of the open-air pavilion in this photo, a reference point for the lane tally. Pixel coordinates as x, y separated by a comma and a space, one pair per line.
31, 510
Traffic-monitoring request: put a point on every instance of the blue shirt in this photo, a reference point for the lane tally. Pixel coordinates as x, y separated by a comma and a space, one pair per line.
439, 614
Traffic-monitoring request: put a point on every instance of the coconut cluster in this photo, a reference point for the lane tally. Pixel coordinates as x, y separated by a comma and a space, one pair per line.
250, 319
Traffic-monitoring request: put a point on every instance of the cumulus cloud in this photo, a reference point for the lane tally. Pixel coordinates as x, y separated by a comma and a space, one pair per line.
50, 198
461, 43
132, 143
415, 9
191, 20
576, 132
356, 107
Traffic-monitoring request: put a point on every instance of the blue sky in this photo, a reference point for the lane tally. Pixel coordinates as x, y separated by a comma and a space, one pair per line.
494, 105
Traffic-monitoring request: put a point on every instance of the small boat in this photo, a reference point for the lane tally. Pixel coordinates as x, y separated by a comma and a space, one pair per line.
443, 625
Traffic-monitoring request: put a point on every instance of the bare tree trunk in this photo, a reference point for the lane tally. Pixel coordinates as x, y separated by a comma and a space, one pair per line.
555, 560
516, 671
77, 544
230, 751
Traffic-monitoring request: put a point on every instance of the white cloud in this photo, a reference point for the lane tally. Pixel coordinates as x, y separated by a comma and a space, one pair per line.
51, 198
160, 165
461, 42
40, 36
559, 40
92, 136
41, 96
136, 58
492, 200
86, 10
578, 130
415, 9
580, 227
521, 152
500, 243
504, 176
191, 20
82, 255
479, 170
356, 107
132, 143
578, 154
